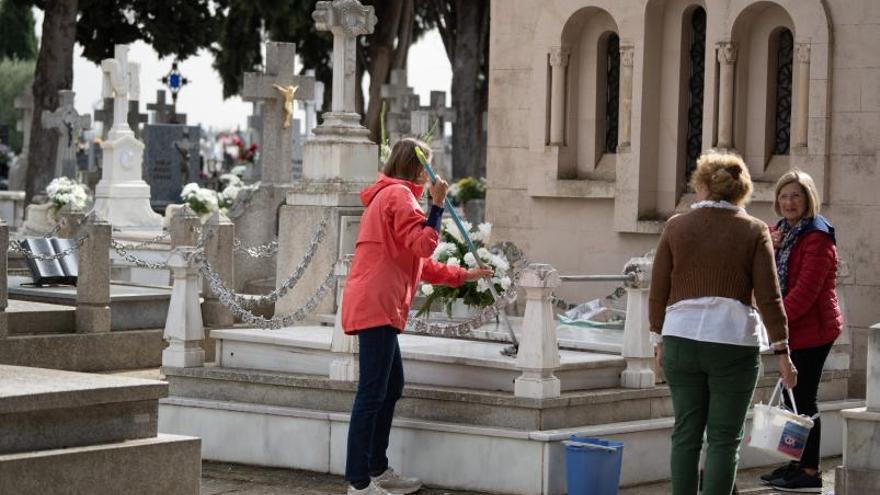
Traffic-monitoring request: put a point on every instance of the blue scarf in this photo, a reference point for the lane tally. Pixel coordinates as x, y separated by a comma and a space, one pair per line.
790, 235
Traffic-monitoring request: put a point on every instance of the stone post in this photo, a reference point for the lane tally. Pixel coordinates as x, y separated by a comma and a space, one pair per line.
727, 59
801, 112
624, 118
70, 221
219, 252
184, 330
4, 287
558, 64
93, 283
345, 366
637, 349
538, 349
860, 472
184, 227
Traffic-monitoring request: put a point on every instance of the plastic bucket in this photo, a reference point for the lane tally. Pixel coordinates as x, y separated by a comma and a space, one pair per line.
592, 465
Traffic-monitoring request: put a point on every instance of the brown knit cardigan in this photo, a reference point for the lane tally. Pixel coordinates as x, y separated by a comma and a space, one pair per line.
717, 252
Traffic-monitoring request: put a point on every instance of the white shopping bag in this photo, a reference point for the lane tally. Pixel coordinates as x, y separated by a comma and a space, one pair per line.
778, 431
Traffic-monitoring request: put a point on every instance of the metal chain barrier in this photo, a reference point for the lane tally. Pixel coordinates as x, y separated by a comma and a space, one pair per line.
122, 250
16, 247
155, 240
262, 251
232, 300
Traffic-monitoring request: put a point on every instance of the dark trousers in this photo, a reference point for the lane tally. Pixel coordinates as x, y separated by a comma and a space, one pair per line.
379, 387
809, 364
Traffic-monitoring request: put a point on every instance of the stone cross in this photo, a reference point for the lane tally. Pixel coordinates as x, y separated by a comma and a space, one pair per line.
105, 117
69, 125
314, 105
346, 19
424, 118
25, 103
402, 101
135, 117
164, 113
276, 140
116, 85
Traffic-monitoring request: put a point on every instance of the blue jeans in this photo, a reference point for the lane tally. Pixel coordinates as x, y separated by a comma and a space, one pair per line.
379, 387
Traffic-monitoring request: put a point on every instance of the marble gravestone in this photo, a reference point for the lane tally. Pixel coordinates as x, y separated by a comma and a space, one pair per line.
171, 160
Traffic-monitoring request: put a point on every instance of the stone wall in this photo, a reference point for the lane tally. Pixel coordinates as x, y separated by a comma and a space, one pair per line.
593, 223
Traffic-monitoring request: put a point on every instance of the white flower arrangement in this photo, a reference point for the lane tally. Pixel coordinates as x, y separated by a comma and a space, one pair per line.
201, 199
452, 250
63, 191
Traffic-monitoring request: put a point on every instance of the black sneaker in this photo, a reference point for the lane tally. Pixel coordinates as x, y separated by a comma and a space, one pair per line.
799, 483
783, 472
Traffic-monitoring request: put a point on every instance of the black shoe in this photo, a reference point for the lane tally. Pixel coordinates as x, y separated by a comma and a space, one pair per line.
783, 472
799, 483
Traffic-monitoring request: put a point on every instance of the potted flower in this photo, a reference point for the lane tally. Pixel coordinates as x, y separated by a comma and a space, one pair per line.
201, 200
452, 250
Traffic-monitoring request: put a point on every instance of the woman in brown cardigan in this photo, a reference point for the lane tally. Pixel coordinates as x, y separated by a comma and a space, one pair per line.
710, 264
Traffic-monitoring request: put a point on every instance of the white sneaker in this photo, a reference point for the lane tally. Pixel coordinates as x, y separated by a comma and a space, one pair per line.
397, 484
371, 489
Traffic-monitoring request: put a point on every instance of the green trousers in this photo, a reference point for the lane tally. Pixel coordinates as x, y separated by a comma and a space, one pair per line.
711, 386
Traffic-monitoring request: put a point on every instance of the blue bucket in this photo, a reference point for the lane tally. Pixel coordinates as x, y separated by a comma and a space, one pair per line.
592, 465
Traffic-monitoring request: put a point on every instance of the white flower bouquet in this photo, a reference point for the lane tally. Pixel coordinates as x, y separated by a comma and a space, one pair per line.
452, 250
63, 191
201, 199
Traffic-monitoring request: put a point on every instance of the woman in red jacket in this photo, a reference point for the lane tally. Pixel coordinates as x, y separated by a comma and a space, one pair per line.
806, 261
393, 252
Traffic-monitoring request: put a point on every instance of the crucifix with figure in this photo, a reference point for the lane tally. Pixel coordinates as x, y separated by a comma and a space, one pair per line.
276, 88
69, 125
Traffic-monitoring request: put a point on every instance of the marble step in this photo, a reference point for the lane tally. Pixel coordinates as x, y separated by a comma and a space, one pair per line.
427, 360
42, 409
483, 408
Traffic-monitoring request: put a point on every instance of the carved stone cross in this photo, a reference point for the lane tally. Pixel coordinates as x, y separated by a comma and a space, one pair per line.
277, 140
402, 101
346, 19
69, 125
163, 113
116, 85
25, 103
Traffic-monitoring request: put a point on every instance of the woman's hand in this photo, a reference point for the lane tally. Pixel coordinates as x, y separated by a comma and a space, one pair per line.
438, 192
787, 371
477, 273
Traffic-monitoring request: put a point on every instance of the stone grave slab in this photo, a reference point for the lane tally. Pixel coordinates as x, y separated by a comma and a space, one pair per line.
131, 306
32, 317
66, 432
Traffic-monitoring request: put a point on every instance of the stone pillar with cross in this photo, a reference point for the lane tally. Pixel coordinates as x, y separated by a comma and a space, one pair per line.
25, 103
69, 125
277, 87
163, 113
433, 118
122, 196
402, 101
338, 161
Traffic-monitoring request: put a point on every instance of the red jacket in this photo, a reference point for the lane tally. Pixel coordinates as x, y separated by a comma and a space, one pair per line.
392, 253
811, 305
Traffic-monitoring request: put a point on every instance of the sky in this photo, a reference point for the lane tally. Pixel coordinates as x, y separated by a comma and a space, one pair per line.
202, 99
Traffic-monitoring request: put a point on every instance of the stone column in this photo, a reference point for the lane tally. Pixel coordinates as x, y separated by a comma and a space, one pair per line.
637, 349
801, 111
558, 63
626, 89
4, 287
538, 349
726, 59
219, 252
184, 227
184, 330
70, 221
345, 366
93, 283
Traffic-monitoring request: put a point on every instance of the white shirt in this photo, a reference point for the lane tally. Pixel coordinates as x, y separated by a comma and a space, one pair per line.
716, 319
